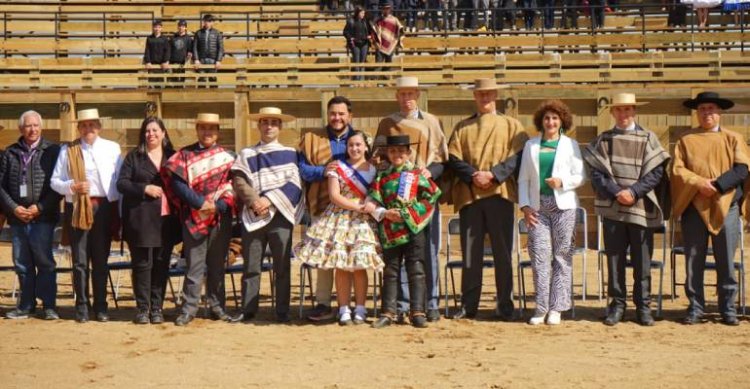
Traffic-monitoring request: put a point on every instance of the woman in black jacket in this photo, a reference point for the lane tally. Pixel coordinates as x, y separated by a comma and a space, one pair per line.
149, 227
357, 34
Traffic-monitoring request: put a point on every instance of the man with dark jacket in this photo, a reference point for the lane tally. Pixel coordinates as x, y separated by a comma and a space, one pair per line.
181, 49
208, 46
157, 52
33, 209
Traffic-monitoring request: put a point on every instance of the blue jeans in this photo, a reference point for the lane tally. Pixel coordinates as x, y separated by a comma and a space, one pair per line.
431, 270
35, 265
359, 55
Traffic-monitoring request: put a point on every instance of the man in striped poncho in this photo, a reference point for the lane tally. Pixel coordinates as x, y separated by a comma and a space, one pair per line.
267, 181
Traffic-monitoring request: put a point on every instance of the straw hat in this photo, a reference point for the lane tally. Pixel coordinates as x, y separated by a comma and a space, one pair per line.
271, 112
708, 97
486, 84
207, 118
407, 82
623, 99
88, 114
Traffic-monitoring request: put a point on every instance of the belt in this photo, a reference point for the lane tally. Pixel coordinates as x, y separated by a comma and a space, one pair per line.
98, 200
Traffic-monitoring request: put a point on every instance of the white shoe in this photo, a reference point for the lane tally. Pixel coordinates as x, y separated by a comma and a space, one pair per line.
537, 319
360, 315
553, 318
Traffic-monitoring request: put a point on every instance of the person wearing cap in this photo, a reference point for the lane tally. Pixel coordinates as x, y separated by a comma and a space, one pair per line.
484, 154
33, 210
627, 165
181, 49
86, 174
266, 179
429, 155
404, 202
208, 46
388, 34
157, 52
199, 186
318, 149
709, 169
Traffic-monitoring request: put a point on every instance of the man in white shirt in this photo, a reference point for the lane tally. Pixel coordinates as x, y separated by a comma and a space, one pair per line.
86, 174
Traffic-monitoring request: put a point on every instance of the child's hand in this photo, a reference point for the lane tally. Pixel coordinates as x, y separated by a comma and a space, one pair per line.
393, 215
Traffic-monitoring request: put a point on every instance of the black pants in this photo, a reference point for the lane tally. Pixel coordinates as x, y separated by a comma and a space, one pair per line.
150, 269
90, 249
413, 255
618, 238
569, 17
493, 216
277, 235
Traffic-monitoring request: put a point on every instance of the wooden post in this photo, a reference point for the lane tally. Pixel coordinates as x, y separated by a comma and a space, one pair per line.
68, 129
325, 95
156, 100
603, 120
242, 135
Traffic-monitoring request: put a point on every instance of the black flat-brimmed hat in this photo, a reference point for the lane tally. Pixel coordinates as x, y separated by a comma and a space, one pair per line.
398, 140
708, 97
386, 4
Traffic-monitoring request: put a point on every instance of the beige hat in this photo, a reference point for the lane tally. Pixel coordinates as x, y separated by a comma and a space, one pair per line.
207, 118
271, 112
486, 84
88, 114
407, 82
623, 99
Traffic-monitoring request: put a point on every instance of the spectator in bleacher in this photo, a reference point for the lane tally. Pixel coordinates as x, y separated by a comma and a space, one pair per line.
429, 154
596, 8
450, 15
387, 35
551, 170
373, 12
33, 209
205, 200
208, 46
157, 52
548, 14
86, 173
484, 153
627, 165
149, 226
677, 12
702, 8
317, 149
267, 181
709, 186
180, 48
357, 34
504, 10
477, 7
529, 8
411, 8
431, 14
569, 18
737, 7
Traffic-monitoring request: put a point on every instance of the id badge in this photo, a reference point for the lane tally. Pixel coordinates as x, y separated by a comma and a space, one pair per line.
23, 190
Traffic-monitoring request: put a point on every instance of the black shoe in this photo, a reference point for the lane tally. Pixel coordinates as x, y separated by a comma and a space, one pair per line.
730, 320
644, 318
157, 317
50, 314
614, 316
218, 313
183, 320
243, 318
462, 314
82, 316
508, 316
401, 318
283, 318
383, 321
18, 314
419, 321
141, 317
692, 318
321, 312
102, 317
433, 315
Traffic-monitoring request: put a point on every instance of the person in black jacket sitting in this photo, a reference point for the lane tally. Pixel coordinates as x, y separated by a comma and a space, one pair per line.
208, 46
33, 210
157, 52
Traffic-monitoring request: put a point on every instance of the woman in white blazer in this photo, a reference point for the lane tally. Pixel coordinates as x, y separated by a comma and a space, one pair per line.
551, 170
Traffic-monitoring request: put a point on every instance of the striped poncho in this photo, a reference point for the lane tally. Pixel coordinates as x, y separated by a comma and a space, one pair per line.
271, 169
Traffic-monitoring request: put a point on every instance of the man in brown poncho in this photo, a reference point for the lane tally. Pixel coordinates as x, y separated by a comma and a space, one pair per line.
484, 154
709, 170
429, 154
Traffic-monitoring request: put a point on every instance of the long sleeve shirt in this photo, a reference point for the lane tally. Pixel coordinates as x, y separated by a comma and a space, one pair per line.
313, 173
102, 163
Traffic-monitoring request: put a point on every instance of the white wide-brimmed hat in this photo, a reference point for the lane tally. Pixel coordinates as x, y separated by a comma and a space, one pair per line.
271, 112
486, 84
88, 114
207, 118
623, 99
407, 82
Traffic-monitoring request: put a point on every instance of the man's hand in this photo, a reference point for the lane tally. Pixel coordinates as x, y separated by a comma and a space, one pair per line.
425, 172
165, 66
393, 215
625, 197
260, 206
148, 65
80, 187
196, 62
34, 211
707, 188
217, 65
154, 191
482, 179
554, 182
330, 167
22, 213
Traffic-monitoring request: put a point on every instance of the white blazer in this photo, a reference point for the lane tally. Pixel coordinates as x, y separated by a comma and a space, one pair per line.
568, 167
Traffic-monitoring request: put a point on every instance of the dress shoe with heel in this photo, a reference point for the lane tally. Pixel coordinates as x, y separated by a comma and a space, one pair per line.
183, 320
730, 320
142, 317
218, 313
157, 316
644, 318
382, 322
433, 315
418, 320
102, 317
692, 319
614, 316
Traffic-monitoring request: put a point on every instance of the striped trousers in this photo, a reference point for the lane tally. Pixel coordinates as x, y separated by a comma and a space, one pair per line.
551, 245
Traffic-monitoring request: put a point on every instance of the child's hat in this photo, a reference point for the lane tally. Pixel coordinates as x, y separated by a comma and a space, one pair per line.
398, 140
